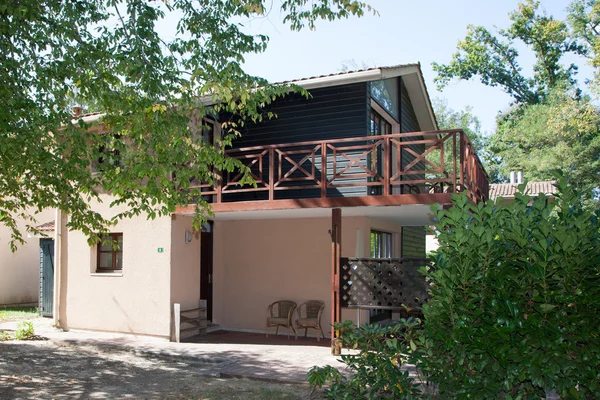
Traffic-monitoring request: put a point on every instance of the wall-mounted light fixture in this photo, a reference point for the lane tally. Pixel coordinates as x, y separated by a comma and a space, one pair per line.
188, 236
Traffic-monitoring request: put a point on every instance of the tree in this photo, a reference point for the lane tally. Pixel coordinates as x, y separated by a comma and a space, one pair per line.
563, 133
584, 19
494, 59
551, 123
109, 55
448, 118
513, 301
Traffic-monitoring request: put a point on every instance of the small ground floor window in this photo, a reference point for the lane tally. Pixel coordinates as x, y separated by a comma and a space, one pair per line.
381, 244
110, 253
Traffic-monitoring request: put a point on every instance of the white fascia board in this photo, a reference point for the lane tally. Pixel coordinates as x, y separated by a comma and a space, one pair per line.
342, 79
323, 81
395, 72
88, 119
92, 118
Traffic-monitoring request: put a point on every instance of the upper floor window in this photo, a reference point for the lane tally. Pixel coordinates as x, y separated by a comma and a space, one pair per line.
385, 93
381, 244
110, 253
379, 125
108, 156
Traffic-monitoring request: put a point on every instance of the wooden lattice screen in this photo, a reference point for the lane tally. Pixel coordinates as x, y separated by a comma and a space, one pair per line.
382, 283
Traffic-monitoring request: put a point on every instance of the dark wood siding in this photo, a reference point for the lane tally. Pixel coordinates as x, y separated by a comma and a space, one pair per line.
413, 241
408, 118
329, 113
332, 113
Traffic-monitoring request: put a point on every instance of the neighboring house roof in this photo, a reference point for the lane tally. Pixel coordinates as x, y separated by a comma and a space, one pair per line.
508, 190
46, 227
43, 230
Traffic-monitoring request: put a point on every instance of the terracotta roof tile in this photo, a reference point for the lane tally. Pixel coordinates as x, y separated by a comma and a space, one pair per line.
46, 227
533, 189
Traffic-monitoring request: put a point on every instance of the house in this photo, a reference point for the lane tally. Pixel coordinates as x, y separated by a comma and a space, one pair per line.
19, 270
350, 172
506, 191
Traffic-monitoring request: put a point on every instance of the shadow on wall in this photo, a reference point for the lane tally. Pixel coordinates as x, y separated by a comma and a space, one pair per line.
129, 328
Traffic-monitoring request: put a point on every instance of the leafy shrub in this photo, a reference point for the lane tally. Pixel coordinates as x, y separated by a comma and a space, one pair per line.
5, 336
374, 363
24, 331
515, 299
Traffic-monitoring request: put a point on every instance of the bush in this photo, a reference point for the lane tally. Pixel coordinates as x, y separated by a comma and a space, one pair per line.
24, 331
374, 366
515, 299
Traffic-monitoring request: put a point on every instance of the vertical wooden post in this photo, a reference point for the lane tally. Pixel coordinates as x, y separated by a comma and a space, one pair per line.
336, 250
271, 174
177, 318
454, 162
323, 170
387, 155
462, 160
220, 188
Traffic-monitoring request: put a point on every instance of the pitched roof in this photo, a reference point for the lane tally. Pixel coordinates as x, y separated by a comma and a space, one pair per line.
365, 72
412, 78
508, 190
46, 227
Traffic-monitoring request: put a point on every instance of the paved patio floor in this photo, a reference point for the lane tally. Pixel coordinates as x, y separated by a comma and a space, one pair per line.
228, 354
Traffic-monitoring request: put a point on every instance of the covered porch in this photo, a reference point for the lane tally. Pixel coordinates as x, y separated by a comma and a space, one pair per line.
261, 256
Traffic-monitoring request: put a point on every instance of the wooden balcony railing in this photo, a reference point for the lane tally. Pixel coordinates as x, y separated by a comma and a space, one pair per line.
402, 163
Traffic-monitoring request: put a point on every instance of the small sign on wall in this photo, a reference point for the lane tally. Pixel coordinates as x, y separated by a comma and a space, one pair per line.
161, 250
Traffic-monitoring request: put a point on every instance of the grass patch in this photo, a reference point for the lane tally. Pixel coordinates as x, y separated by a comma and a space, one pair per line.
17, 313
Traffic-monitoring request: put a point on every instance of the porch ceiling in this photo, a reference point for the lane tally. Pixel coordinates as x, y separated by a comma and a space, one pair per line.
407, 215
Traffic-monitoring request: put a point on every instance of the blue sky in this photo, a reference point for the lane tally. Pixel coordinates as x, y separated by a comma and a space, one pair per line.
404, 32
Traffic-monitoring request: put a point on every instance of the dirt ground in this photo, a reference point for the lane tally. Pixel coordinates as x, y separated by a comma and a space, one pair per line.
46, 370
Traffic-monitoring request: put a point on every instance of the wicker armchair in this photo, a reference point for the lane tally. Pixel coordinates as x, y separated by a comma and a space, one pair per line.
309, 316
279, 314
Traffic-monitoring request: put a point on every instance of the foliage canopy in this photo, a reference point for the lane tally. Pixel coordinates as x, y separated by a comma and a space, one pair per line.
494, 59
512, 310
110, 56
551, 123
514, 298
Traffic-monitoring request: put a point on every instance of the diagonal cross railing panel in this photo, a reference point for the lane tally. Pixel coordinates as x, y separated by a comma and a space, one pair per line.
423, 163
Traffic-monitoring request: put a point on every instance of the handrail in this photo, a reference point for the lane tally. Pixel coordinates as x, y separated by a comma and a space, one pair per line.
341, 140
383, 161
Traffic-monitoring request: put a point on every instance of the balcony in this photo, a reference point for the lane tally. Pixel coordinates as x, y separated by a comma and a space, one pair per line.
394, 169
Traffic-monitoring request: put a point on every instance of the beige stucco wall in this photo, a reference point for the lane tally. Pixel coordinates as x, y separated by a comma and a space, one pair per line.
138, 301
20, 271
185, 263
257, 262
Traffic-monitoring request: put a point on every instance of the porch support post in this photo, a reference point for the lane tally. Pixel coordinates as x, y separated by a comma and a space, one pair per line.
336, 253
177, 321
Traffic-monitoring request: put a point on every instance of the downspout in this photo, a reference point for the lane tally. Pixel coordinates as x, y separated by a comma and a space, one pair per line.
57, 267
